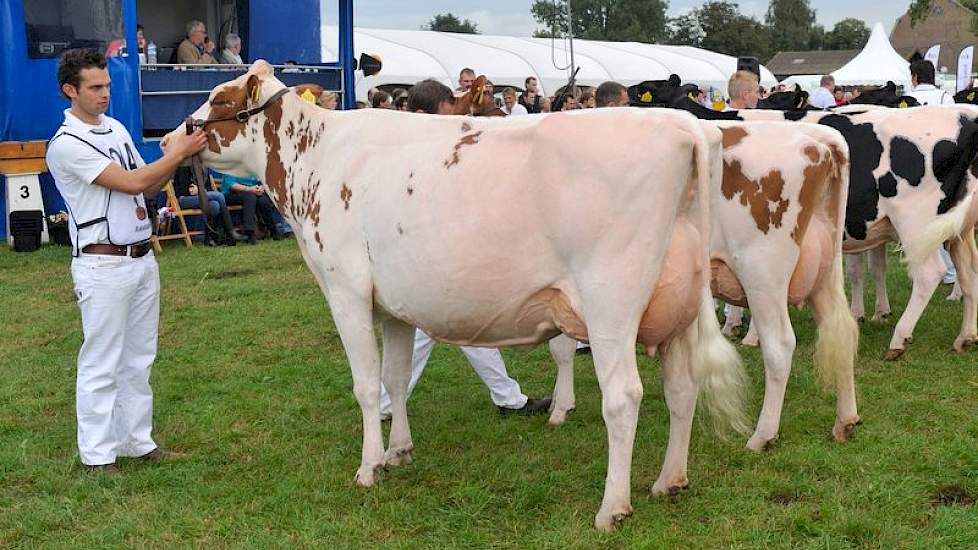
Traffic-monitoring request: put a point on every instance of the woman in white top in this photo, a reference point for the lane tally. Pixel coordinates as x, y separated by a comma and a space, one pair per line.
231, 54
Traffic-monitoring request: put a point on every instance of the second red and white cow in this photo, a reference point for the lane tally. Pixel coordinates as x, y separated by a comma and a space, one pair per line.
777, 232
399, 225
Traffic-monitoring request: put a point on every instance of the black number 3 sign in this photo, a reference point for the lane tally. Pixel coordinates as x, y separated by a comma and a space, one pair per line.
25, 192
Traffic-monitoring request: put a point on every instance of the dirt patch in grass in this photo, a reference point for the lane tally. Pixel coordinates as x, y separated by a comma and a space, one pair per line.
785, 496
953, 495
230, 274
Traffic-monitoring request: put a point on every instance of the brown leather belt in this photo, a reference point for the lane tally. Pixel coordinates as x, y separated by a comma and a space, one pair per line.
137, 250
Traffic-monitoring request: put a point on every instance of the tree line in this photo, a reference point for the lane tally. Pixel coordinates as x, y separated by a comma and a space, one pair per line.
716, 25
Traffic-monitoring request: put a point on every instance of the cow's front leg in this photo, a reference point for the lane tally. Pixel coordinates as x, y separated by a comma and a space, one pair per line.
877, 266
562, 349
925, 278
965, 255
398, 349
354, 322
770, 312
854, 271
680, 392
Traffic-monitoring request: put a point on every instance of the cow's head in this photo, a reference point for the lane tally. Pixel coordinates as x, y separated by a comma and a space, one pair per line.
657, 93
968, 95
885, 96
233, 117
793, 100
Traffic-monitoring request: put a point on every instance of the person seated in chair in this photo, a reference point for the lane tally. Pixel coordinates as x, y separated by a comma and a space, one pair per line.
255, 203
217, 209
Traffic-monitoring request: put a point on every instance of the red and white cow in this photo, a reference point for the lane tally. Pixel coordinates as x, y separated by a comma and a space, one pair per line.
396, 220
777, 231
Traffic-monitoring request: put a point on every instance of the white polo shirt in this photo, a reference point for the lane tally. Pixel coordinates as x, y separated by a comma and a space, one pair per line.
928, 94
77, 154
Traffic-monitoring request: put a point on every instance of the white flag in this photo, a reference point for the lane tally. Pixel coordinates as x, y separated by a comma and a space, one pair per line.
964, 67
933, 54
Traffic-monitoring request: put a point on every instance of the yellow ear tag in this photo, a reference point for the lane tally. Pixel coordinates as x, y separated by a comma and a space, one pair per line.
903, 105
971, 96
646, 97
308, 96
256, 94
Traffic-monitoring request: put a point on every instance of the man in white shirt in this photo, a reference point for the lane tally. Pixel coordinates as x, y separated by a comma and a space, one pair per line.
924, 91
824, 96
510, 106
102, 178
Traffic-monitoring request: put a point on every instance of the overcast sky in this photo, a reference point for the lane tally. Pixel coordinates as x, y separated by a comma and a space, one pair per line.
512, 17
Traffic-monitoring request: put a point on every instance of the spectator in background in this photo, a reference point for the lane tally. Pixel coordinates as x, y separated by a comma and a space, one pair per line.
217, 210
361, 105
432, 97
196, 48
530, 98
465, 79
510, 106
587, 99
823, 97
329, 100
255, 203
840, 96
370, 95
924, 90
398, 93
381, 100
401, 103
744, 91
565, 102
231, 54
546, 106
611, 94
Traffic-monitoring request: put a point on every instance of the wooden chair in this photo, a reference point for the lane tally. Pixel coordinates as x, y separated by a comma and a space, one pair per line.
178, 215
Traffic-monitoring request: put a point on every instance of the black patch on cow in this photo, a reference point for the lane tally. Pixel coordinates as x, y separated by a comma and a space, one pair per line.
795, 116
952, 162
888, 185
906, 161
686, 104
863, 204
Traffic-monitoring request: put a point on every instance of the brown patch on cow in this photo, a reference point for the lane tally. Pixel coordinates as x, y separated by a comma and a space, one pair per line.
817, 176
275, 173
953, 495
759, 196
319, 240
226, 103
732, 136
345, 195
466, 127
470, 139
290, 130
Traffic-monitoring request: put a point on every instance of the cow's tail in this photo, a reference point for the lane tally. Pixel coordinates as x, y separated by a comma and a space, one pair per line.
917, 248
718, 370
838, 333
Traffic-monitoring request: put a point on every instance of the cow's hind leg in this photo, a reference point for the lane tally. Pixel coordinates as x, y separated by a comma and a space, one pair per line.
925, 278
356, 330
680, 391
835, 350
562, 349
733, 320
854, 272
777, 338
398, 347
877, 266
965, 255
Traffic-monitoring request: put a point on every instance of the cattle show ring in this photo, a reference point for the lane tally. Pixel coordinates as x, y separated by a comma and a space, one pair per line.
271, 279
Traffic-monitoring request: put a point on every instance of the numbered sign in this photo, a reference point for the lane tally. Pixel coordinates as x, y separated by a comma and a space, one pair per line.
24, 193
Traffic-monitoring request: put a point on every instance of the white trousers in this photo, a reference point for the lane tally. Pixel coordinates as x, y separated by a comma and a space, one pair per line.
487, 362
119, 298
950, 276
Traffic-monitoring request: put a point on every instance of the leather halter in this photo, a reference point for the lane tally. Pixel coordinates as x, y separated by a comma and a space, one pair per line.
243, 115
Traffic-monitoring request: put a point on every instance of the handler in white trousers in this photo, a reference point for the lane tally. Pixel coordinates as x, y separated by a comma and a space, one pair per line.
487, 363
102, 178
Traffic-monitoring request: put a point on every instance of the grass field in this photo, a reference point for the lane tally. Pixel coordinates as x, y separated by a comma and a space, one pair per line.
251, 382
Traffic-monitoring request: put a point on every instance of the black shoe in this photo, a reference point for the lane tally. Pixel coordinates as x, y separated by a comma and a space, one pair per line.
533, 406
111, 469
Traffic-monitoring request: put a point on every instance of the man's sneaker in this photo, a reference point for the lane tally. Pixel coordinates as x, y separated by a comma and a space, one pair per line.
159, 455
533, 406
107, 469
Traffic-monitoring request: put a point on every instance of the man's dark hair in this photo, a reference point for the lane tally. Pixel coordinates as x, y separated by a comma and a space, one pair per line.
528, 79
427, 95
466, 70
923, 70
608, 93
74, 61
380, 96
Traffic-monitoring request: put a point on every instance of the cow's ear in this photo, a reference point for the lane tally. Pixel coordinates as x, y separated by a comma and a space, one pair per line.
253, 89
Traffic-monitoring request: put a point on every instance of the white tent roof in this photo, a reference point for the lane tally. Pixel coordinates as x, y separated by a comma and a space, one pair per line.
875, 65
808, 82
410, 56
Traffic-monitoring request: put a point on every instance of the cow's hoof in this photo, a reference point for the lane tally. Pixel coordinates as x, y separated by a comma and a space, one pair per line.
893, 354
962, 345
399, 457
760, 443
843, 433
750, 342
609, 521
881, 316
671, 489
559, 416
859, 318
954, 297
368, 475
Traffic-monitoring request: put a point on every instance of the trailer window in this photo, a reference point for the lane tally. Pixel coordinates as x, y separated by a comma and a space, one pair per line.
56, 25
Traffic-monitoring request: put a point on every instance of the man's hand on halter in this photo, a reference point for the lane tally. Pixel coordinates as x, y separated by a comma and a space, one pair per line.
183, 145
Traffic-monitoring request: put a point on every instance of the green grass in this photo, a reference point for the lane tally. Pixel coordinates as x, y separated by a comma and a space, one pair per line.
252, 384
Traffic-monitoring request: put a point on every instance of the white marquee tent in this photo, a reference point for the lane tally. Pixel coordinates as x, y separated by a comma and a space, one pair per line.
875, 65
410, 56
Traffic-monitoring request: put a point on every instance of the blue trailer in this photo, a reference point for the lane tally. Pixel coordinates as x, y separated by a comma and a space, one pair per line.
151, 99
